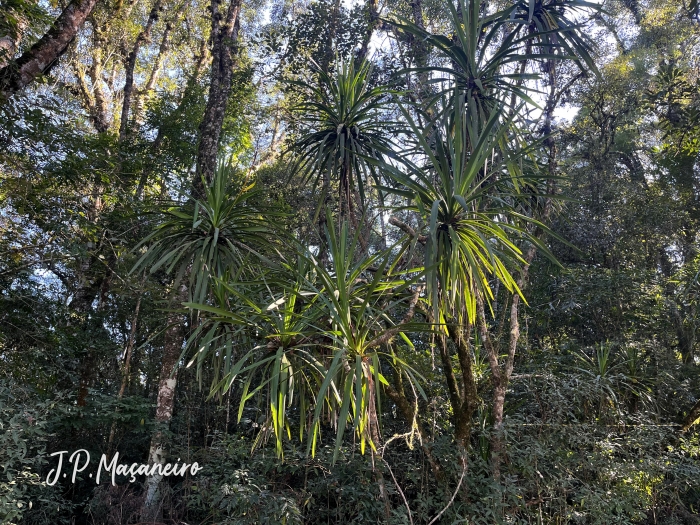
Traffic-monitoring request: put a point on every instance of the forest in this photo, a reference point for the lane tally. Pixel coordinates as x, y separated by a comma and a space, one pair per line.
414, 262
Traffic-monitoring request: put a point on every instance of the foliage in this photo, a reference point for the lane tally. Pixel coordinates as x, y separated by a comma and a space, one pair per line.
387, 170
207, 238
344, 132
25, 426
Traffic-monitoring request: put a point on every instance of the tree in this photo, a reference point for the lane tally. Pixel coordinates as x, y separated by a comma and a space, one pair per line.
42, 56
224, 51
343, 138
448, 272
202, 241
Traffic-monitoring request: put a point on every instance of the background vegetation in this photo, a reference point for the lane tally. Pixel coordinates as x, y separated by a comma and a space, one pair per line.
421, 261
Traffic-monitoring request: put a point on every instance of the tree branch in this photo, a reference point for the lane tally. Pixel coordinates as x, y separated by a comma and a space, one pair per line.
407, 229
42, 56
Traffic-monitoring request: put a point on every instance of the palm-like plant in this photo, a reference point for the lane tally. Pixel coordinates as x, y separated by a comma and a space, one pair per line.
280, 362
472, 228
613, 377
358, 297
344, 132
469, 190
485, 49
323, 334
206, 238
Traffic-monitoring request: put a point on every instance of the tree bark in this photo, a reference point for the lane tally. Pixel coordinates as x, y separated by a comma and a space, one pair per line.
224, 50
39, 59
99, 112
463, 396
469, 396
165, 404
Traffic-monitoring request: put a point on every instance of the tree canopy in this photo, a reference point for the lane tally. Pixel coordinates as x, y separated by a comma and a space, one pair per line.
424, 262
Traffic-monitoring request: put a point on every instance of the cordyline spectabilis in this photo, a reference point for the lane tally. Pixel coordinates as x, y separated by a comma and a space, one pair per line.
345, 135
317, 343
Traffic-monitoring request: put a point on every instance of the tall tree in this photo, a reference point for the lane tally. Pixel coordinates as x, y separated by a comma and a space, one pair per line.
225, 26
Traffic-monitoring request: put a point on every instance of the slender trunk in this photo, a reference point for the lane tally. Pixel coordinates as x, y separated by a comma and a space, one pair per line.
376, 440
129, 349
462, 391
372, 24
501, 375
500, 384
323, 219
686, 335
330, 48
410, 414
144, 37
419, 52
144, 95
165, 403
82, 306
452, 386
100, 113
469, 397
224, 49
83, 89
42, 56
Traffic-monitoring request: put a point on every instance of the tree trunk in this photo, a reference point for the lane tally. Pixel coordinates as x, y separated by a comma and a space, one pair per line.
224, 50
101, 114
43, 55
157, 454
685, 334
143, 38
419, 52
469, 395
372, 24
